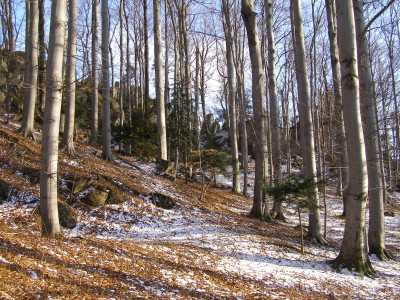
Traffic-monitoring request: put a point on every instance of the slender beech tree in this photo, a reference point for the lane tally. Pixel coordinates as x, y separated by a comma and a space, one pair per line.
274, 108
306, 126
42, 57
146, 59
94, 122
338, 119
51, 121
376, 230
161, 124
260, 208
30, 81
353, 251
233, 132
105, 81
67, 141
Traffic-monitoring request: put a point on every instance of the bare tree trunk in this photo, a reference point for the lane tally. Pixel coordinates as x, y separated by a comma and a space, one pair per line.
42, 58
95, 92
31, 81
260, 209
161, 124
196, 116
146, 59
274, 109
105, 82
128, 98
339, 125
121, 66
51, 121
353, 252
226, 6
306, 125
376, 233
68, 137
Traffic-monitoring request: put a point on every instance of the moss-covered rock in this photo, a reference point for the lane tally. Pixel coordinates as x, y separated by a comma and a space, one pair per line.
96, 198
115, 195
67, 215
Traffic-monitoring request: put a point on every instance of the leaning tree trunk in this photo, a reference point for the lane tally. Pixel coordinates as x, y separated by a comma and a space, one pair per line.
105, 82
94, 122
306, 126
161, 124
353, 252
376, 231
274, 109
226, 5
51, 121
260, 209
68, 137
31, 81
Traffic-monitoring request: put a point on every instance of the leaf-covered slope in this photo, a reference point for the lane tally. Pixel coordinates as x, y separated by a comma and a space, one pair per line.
136, 250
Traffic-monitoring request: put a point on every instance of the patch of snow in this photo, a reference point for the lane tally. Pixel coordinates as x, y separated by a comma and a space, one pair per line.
3, 260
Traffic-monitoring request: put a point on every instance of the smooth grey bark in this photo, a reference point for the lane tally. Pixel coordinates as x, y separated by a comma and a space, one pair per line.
274, 108
26, 56
233, 132
128, 67
105, 81
42, 58
146, 59
67, 141
51, 121
30, 82
306, 126
353, 251
94, 122
259, 209
196, 114
160, 100
121, 65
341, 148
376, 231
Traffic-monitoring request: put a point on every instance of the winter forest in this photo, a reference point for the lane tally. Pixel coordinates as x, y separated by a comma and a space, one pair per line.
191, 149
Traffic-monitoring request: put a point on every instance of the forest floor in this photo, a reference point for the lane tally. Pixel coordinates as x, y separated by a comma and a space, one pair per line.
196, 250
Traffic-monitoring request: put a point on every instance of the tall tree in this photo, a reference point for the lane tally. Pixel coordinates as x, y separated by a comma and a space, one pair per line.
233, 132
353, 251
146, 58
338, 120
67, 141
376, 232
51, 121
306, 126
161, 124
94, 122
42, 57
260, 209
105, 81
30, 81
274, 108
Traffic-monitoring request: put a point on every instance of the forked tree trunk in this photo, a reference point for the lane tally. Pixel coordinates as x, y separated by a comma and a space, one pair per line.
94, 93
161, 124
353, 252
306, 126
376, 232
105, 82
51, 121
274, 109
226, 6
260, 209
30, 82
68, 137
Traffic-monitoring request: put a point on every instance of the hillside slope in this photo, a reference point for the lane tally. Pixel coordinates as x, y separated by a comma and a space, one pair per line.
137, 250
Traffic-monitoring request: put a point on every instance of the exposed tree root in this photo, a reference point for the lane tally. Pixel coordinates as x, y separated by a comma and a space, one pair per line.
382, 253
362, 267
30, 134
320, 240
